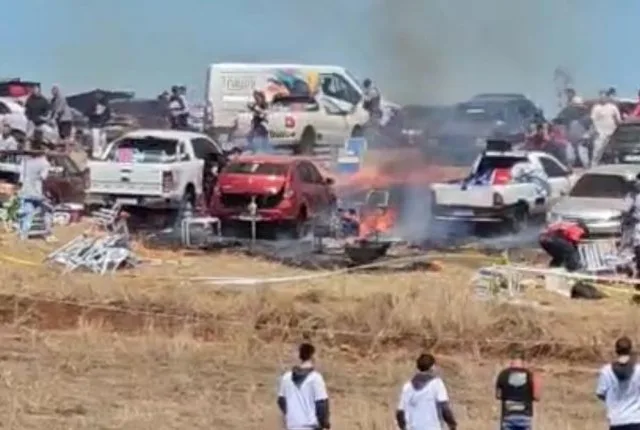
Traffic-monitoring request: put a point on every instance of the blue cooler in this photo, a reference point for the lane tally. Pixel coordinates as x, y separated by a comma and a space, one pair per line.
356, 146
348, 163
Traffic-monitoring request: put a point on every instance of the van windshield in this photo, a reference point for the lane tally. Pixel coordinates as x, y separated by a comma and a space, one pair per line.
356, 81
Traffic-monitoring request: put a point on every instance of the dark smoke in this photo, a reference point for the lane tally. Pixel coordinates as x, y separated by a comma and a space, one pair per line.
441, 51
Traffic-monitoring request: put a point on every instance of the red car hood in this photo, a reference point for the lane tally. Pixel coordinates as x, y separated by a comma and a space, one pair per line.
250, 184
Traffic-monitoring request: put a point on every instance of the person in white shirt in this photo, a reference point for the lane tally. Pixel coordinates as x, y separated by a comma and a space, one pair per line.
302, 394
605, 117
619, 388
424, 400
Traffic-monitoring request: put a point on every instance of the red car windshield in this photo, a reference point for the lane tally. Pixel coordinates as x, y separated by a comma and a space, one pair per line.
257, 168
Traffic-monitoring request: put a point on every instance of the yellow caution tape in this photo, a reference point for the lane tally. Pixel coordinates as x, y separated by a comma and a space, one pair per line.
18, 260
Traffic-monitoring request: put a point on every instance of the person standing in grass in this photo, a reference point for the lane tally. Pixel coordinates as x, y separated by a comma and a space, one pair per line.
302, 394
619, 388
424, 400
517, 388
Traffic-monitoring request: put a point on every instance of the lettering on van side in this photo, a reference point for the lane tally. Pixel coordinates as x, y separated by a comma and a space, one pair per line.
279, 134
238, 84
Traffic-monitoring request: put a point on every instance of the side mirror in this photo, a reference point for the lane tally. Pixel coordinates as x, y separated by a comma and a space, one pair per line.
329, 181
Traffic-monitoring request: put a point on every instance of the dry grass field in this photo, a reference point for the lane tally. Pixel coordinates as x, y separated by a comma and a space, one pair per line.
148, 348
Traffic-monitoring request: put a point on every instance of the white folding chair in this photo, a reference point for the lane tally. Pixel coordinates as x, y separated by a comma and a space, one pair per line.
602, 256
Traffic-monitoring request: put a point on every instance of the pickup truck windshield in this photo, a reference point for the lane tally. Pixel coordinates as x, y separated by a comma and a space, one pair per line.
143, 150
600, 186
257, 168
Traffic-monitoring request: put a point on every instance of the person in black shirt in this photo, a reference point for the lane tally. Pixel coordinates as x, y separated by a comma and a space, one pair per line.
517, 387
259, 134
99, 114
37, 109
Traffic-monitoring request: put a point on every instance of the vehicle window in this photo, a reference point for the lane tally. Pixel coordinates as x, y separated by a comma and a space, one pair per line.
480, 112
626, 135
336, 86
552, 168
256, 168
602, 186
377, 198
143, 150
4, 109
203, 148
503, 162
314, 174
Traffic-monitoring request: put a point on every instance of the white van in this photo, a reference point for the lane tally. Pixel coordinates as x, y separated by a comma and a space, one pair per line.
229, 87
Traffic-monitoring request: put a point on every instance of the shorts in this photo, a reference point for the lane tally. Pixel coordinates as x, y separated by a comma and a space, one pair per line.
64, 129
626, 427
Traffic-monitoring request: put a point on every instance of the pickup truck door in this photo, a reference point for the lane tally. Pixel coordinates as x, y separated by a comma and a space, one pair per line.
559, 177
333, 123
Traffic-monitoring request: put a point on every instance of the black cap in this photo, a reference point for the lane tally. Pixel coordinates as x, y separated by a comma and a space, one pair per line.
624, 346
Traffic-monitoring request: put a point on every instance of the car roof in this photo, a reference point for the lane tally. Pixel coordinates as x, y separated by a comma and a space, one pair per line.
12, 103
615, 169
164, 134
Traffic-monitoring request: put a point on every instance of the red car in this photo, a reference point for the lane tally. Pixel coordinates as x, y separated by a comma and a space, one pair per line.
288, 191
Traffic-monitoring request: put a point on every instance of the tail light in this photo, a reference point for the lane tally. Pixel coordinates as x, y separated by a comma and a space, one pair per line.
289, 122
167, 182
501, 176
497, 199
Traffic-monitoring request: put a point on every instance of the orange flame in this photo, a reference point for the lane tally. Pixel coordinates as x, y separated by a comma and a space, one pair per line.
380, 220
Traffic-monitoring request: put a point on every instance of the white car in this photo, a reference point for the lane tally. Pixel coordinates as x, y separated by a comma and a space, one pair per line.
305, 125
153, 169
14, 113
503, 187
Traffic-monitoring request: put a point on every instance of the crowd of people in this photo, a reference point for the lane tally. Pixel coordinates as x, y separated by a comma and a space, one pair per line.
424, 401
580, 132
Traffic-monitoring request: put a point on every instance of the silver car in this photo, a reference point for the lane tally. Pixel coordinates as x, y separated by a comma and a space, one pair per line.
597, 199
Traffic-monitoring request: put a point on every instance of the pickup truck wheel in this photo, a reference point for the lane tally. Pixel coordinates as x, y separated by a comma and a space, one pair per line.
520, 220
307, 143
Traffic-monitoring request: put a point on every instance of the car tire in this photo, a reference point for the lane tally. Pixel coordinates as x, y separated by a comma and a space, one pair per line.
307, 143
519, 221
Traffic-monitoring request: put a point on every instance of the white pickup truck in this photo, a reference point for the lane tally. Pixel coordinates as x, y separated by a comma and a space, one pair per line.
503, 187
305, 124
154, 169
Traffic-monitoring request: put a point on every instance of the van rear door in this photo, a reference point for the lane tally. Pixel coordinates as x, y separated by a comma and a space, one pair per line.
229, 91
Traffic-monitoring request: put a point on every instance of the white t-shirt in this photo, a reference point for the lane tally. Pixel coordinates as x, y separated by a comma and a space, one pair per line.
606, 118
421, 406
621, 397
301, 399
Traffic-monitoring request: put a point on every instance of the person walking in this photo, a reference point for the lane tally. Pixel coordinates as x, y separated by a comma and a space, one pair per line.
619, 387
302, 394
424, 400
372, 100
7, 141
605, 117
61, 114
517, 388
258, 138
34, 171
178, 109
99, 114
37, 109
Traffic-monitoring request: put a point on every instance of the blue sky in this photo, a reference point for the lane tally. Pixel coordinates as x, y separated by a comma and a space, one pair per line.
423, 50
